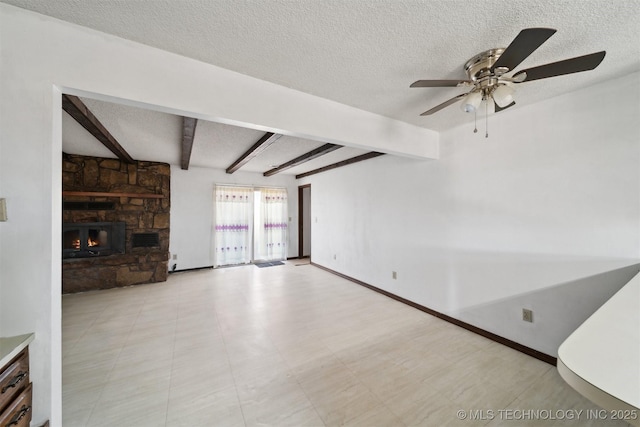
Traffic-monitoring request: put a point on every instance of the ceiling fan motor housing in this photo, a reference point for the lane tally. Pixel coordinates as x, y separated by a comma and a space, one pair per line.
480, 65
479, 71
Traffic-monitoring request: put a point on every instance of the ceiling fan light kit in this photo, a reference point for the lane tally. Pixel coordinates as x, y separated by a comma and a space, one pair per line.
471, 102
503, 95
487, 73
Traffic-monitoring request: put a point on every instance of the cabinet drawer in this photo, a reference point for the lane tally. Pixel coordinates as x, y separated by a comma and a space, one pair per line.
18, 413
14, 378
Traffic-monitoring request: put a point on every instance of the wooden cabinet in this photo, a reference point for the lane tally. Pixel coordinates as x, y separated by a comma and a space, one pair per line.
15, 392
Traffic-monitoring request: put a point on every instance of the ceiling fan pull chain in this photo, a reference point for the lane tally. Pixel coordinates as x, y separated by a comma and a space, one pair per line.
486, 116
475, 121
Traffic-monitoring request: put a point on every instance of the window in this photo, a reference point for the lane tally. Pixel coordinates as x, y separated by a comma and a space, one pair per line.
233, 224
271, 229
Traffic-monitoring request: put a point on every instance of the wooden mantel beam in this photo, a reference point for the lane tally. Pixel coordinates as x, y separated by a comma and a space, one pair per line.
106, 194
81, 114
255, 150
320, 151
346, 162
188, 132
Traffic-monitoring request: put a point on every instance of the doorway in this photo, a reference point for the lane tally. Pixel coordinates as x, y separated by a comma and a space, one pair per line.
304, 223
250, 224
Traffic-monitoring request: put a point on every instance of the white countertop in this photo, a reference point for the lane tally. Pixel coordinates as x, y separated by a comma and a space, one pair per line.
601, 359
10, 347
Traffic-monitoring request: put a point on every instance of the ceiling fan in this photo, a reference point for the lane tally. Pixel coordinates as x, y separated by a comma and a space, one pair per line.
487, 73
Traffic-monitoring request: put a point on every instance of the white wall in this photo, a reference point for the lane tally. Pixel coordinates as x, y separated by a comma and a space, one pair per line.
551, 198
192, 211
39, 55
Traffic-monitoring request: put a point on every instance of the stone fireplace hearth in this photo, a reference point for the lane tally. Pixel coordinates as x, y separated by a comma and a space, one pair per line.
99, 191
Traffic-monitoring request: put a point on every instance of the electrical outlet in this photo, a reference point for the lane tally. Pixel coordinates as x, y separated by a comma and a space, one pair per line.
394, 275
335, 256
527, 315
175, 256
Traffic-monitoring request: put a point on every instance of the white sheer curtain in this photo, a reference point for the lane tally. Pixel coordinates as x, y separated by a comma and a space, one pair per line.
271, 225
233, 224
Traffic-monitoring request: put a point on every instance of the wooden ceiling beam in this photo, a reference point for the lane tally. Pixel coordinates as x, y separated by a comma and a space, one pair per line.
320, 151
346, 162
81, 114
257, 148
188, 132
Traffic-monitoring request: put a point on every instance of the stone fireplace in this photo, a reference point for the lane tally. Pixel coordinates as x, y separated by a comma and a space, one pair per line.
115, 223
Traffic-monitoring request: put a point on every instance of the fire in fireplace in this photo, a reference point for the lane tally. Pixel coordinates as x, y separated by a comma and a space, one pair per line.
82, 240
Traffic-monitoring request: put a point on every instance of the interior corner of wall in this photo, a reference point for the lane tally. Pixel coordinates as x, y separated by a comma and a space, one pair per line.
436, 147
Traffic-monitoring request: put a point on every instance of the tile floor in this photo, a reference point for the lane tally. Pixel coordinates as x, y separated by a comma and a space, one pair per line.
290, 345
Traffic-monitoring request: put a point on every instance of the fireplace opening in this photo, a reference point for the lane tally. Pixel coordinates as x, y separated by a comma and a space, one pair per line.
82, 240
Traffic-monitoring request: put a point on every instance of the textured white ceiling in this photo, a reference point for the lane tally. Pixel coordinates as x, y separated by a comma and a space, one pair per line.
367, 53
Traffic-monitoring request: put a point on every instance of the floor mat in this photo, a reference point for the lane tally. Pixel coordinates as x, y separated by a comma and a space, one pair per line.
268, 264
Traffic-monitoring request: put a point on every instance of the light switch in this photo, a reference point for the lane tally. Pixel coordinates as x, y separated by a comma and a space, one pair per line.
3, 209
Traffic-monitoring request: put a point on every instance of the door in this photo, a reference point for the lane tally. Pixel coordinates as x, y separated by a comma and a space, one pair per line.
304, 222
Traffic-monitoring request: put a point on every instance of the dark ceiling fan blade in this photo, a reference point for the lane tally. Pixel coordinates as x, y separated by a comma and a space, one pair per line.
527, 41
568, 66
443, 105
498, 108
439, 83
